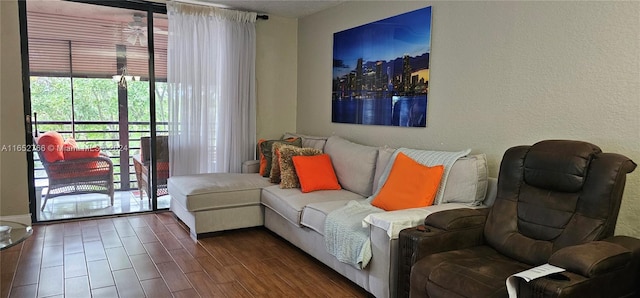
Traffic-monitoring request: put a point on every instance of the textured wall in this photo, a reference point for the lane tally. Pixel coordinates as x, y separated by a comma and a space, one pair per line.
276, 72
502, 74
14, 197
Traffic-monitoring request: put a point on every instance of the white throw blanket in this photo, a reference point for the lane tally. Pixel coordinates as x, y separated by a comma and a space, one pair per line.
344, 236
347, 235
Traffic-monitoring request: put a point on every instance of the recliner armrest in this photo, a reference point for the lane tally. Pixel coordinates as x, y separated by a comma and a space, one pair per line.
443, 231
592, 258
456, 219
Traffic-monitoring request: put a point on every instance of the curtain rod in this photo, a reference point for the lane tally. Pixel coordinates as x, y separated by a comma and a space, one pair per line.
195, 2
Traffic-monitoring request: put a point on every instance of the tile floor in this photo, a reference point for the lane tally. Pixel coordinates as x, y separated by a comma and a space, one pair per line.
86, 205
152, 255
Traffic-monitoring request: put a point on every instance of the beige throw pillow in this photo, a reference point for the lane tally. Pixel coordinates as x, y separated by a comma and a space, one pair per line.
274, 176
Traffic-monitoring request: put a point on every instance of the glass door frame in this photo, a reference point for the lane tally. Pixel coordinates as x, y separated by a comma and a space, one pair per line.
150, 8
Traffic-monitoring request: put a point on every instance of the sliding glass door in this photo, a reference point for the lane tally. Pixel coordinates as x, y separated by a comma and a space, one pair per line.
97, 84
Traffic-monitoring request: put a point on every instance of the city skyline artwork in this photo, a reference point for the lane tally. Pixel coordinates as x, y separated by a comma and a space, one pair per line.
381, 71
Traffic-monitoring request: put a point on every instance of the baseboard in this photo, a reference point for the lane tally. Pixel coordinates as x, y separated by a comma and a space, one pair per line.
23, 218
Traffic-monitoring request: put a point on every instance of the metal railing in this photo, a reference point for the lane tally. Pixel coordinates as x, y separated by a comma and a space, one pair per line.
104, 134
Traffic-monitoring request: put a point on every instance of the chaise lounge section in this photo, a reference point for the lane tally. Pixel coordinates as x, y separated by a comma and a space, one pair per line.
215, 202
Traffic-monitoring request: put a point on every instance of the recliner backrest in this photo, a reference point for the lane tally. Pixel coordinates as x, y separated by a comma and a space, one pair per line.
554, 194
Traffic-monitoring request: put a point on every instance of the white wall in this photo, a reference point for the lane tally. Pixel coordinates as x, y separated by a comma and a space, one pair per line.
502, 74
276, 76
14, 196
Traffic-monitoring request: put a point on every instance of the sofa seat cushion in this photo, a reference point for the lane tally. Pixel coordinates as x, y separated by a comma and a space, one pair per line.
216, 190
480, 270
314, 215
289, 202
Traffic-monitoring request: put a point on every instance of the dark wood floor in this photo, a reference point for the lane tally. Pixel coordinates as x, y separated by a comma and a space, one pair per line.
152, 255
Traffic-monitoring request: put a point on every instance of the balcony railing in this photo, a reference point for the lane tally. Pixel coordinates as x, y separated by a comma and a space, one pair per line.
107, 136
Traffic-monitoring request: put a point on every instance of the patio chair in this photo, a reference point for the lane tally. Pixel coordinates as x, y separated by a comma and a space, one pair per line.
142, 161
74, 171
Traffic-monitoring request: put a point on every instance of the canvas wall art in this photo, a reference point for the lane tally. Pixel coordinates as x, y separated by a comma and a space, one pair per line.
381, 71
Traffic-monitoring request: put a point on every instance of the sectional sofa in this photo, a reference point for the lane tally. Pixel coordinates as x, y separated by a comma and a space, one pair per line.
215, 202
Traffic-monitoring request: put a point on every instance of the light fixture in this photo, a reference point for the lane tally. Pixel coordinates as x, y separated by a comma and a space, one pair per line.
124, 77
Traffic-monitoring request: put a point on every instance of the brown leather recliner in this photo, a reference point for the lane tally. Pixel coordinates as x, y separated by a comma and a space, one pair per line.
557, 203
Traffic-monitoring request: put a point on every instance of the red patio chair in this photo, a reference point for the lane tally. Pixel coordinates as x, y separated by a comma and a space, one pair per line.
73, 171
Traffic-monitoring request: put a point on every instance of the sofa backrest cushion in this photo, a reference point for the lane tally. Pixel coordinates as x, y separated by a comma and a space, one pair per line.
384, 155
354, 164
308, 141
467, 181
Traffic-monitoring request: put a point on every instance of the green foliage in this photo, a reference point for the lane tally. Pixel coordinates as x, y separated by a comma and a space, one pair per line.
96, 100
51, 98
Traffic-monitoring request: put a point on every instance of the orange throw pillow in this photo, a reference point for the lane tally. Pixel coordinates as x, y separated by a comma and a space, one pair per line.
409, 185
262, 159
315, 172
82, 153
52, 142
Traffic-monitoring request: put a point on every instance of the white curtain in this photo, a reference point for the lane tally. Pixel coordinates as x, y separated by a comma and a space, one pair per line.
211, 76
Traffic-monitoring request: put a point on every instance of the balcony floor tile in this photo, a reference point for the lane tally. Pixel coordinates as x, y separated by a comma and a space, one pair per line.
86, 205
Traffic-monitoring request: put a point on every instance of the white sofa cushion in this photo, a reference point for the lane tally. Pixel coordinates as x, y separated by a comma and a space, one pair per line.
467, 182
384, 155
289, 202
354, 164
216, 190
308, 141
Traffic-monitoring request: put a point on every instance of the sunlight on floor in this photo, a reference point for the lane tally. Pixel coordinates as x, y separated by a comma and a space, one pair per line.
85, 205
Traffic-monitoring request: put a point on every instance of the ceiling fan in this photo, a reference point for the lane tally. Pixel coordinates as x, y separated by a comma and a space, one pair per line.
137, 30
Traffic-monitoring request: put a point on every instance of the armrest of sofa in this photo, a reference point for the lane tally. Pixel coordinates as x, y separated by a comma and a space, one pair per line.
395, 221
597, 257
251, 166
